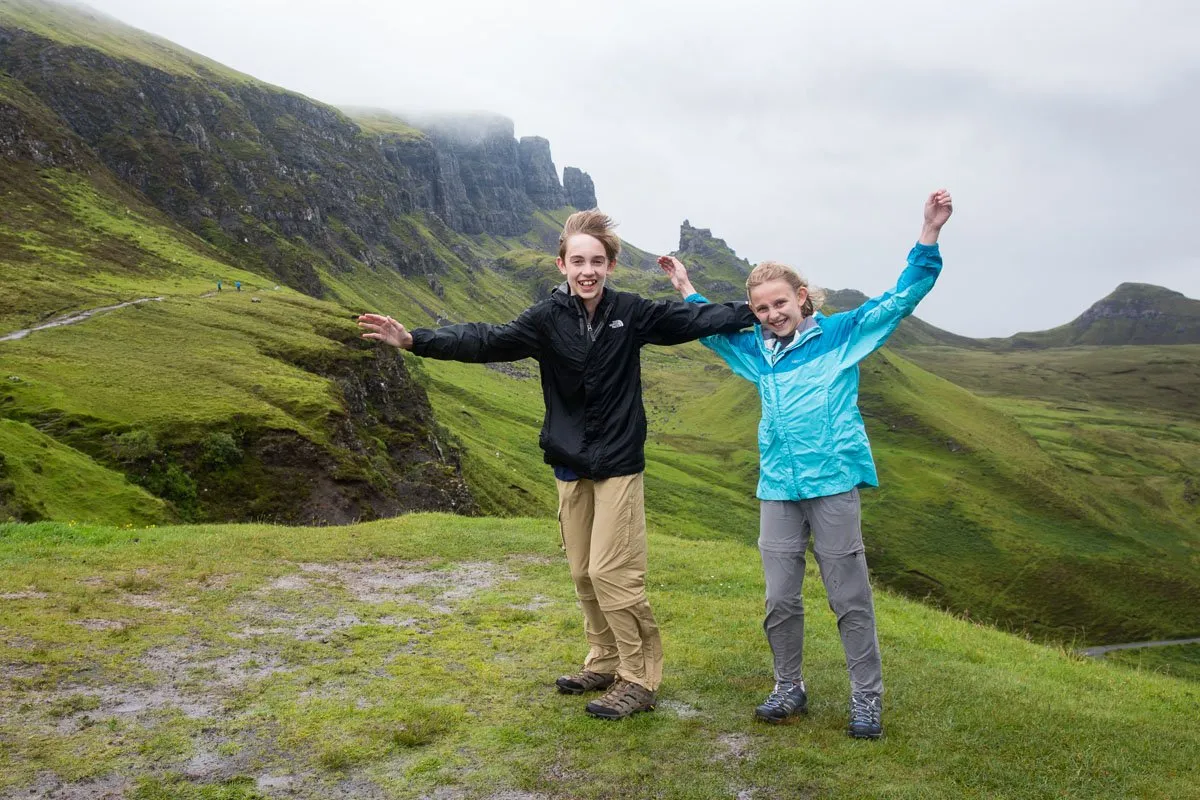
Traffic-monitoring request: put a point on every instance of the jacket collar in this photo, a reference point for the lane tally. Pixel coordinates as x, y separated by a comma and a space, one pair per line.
562, 295
806, 330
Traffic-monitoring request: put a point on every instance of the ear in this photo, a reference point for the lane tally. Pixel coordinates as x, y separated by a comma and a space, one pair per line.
558, 262
802, 295
611, 266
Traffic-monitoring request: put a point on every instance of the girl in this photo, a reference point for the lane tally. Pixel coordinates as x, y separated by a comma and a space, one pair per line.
814, 456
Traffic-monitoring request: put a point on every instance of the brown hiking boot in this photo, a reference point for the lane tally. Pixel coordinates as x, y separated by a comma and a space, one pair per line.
623, 699
584, 681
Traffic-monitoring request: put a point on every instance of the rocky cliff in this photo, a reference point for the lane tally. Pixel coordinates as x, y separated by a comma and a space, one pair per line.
289, 186
579, 189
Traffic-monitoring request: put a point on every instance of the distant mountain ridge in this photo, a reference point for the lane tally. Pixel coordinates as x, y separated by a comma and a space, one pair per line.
1134, 313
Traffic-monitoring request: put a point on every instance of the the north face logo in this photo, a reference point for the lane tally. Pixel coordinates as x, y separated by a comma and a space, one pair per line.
616, 323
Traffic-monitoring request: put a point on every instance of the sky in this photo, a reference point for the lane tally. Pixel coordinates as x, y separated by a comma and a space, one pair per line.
804, 132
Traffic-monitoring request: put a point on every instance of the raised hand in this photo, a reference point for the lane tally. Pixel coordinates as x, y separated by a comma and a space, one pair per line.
678, 273
938, 208
386, 330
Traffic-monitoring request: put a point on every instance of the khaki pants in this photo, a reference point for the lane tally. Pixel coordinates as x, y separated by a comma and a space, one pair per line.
603, 526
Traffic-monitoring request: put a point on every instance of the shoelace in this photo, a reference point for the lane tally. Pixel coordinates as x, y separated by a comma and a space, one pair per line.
777, 697
863, 710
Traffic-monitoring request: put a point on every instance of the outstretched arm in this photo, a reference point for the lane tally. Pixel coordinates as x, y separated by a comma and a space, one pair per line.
737, 349
474, 342
875, 320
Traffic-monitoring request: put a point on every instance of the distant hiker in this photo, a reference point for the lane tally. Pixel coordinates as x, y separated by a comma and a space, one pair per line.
237, 285
218, 286
588, 341
814, 457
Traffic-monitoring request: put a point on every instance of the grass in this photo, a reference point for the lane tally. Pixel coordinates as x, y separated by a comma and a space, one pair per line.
41, 478
264, 653
1179, 660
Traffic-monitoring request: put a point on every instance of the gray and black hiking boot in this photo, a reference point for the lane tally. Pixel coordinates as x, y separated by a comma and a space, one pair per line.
623, 699
866, 715
788, 700
584, 681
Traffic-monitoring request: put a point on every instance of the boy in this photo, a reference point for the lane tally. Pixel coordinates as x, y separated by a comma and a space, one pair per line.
587, 339
814, 456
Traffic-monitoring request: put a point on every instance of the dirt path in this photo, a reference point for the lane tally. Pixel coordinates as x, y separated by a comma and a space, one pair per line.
1097, 652
78, 316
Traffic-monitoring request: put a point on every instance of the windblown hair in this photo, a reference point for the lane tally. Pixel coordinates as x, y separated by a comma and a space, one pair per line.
594, 223
773, 270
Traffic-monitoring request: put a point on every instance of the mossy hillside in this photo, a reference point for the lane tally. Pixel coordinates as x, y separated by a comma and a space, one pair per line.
204, 659
43, 479
1025, 537
69, 244
266, 370
380, 122
1133, 377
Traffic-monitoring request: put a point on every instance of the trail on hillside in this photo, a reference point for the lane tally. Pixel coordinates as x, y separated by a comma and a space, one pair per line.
78, 316
1096, 652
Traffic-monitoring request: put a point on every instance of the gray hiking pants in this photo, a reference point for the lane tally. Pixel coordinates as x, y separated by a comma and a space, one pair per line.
833, 522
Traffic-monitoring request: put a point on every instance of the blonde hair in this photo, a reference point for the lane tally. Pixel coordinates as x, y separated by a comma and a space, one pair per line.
594, 223
773, 270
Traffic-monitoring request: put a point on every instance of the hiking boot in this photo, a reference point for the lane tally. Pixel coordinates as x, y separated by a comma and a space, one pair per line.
623, 699
866, 716
787, 700
584, 681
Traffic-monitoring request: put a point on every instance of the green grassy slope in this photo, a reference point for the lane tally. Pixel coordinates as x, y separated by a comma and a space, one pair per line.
414, 658
213, 402
77, 25
1164, 378
44, 479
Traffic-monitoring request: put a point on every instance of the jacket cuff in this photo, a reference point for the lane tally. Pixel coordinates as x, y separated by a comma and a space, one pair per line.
695, 297
421, 337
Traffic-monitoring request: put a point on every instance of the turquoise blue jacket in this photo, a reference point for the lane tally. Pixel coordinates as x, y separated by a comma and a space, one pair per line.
811, 439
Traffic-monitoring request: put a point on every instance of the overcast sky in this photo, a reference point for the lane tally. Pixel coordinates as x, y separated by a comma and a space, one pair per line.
805, 132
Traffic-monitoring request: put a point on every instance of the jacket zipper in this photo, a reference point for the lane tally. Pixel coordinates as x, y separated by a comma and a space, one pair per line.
583, 320
591, 335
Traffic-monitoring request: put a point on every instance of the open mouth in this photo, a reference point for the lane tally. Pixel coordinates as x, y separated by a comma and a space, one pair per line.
586, 284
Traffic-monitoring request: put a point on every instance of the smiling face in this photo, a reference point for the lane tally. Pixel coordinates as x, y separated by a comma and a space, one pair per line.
586, 266
778, 306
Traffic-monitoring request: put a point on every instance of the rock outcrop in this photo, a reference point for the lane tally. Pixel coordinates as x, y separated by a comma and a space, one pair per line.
538, 171
579, 188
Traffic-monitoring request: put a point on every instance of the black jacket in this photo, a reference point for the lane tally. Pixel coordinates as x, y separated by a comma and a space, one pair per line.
595, 424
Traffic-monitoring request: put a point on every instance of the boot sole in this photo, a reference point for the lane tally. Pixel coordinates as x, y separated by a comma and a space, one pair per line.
871, 736
571, 690
611, 717
790, 718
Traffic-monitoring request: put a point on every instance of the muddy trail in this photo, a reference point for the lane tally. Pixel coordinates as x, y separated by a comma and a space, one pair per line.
77, 317
1100, 650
